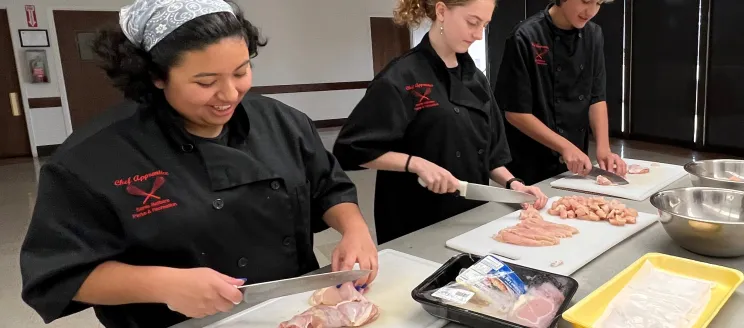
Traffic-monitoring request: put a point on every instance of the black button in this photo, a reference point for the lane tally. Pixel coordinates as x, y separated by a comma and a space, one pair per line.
560, 130
581, 67
457, 153
581, 97
243, 262
480, 151
457, 110
557, 101
557, 38
559, 68
275, 185
581, 35
187, 147
218, 204
287, 241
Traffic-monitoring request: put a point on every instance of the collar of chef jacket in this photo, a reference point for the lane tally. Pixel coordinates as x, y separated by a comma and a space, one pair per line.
172, 124
558, 31
470, 91
223, 163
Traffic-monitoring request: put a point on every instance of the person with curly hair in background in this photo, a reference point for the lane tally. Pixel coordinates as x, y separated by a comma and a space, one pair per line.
154, 215
430, 114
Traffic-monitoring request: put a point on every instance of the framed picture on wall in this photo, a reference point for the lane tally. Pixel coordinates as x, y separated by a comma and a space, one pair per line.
33, 38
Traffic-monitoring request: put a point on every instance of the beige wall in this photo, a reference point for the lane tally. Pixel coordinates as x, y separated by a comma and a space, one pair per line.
307, 44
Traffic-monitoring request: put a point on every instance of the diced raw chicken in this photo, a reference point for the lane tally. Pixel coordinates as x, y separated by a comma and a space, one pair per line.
595, 209
335, 308
602, 181
638, 169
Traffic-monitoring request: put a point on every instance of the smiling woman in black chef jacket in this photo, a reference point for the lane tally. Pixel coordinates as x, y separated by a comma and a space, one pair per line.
551, 85
152, 215
429, 114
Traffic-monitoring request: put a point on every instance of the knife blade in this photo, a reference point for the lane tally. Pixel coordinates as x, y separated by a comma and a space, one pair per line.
614, 178
481, 192
272, 289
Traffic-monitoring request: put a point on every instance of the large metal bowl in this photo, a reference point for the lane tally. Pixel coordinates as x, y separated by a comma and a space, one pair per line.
717, 173
703, 220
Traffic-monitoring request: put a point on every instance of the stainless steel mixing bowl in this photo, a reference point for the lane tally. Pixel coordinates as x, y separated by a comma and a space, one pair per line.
718, 173
703, 220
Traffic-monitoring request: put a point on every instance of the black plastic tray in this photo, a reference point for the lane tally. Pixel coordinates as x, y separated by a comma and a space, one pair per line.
449, 271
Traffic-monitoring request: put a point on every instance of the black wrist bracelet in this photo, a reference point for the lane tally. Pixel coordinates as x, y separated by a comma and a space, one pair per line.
408, 161
508, 183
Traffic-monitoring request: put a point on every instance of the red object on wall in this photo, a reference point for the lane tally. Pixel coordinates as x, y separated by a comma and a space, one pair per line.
31, 16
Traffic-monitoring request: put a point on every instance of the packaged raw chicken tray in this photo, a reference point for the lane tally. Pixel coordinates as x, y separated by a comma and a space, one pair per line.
486, 292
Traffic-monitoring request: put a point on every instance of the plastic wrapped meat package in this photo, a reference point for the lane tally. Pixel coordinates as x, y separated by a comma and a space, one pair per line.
491, 288
657, 299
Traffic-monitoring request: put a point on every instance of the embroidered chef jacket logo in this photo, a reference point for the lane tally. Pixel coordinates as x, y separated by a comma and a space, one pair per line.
422, 91
540, 51
135, 186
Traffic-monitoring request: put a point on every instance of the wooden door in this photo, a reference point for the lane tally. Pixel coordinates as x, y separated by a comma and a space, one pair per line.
89, 90
14, 141
388, 41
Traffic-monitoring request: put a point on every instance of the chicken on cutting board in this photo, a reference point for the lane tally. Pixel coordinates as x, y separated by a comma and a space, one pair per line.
593, 209
534, 231
335, 308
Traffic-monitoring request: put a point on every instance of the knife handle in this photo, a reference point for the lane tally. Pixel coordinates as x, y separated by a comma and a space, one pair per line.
462, 188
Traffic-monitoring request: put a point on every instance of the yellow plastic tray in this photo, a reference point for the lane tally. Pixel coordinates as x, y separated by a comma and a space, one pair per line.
584, 313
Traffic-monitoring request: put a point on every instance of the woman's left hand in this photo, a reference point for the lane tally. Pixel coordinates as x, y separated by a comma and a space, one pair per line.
356, 246
541, 201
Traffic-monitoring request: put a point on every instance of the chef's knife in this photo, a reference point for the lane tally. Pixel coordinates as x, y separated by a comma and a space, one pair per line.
614, 178
269, 290
490, 194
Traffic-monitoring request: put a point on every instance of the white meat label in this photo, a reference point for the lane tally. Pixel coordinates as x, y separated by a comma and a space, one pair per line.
455, 295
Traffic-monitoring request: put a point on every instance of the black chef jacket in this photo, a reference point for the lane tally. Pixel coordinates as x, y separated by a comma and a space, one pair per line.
138, 189
555, 75
417, 106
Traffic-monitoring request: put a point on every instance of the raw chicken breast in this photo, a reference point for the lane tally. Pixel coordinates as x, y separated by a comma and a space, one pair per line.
637, 169
335, 308
603, 181
538, 307
534, 231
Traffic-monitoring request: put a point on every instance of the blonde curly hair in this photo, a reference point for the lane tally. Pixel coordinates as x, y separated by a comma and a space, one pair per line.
412, 12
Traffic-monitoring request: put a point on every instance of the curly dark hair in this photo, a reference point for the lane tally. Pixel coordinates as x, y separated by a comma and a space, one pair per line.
132, 69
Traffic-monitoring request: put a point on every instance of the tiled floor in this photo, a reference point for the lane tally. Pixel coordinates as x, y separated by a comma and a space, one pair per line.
18, 194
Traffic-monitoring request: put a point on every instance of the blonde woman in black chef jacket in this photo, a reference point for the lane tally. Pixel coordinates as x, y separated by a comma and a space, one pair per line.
429, 114
155, 214
551, 86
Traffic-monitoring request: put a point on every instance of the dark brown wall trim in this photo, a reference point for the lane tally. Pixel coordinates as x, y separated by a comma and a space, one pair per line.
45, 151
313, 87
44, 102
333, 123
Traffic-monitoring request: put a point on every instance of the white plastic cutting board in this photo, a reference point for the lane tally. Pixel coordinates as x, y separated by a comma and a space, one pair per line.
593, 239
398, 275
640, 186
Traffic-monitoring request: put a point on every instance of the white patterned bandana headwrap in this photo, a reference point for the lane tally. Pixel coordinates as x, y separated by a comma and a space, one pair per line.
146, 22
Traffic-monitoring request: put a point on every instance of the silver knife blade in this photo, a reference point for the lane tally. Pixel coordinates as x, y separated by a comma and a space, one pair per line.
480, 192
614, 178
272, 289
484, 193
